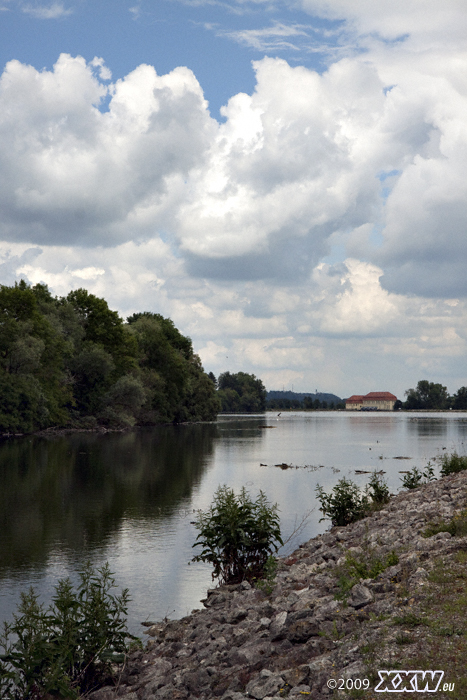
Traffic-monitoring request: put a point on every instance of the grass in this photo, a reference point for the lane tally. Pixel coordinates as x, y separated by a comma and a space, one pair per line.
453, 464
457, 527
366, 565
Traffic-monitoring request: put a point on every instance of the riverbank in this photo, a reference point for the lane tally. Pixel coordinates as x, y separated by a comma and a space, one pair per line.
405, 609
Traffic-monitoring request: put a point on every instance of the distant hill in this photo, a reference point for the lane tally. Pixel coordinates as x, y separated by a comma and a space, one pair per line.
329, 398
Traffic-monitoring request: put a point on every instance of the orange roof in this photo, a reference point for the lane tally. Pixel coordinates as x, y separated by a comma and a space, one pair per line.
380, 396
356, 398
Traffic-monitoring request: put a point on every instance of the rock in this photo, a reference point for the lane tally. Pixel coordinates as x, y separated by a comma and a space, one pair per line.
277, 626
360, 596
266, 684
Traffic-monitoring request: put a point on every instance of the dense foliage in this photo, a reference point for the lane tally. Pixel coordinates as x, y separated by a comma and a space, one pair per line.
241, 393
293, 400
347, 503
71, 361
69, 648
308, 403
429, 395
238, 535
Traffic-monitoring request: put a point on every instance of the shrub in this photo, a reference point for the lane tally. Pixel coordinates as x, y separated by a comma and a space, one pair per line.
452, 464
238, 535
378, 489
348, 503
68, 648
415, 478
345, 504
266, 582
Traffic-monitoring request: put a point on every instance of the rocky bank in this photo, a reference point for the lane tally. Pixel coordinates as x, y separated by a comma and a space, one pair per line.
289, 641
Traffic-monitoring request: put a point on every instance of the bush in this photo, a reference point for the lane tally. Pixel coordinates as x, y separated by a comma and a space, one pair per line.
345, 504
415, 478
452, 464
238, 535
379, 491
69, 648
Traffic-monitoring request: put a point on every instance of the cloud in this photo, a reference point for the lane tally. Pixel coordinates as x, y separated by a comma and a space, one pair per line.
53, 11
369, 155
278, 37
318, 231
72, 172
392, 19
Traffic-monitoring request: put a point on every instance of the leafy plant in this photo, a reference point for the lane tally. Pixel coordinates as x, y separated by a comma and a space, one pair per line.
238, 535
378, 489
453, 463
345, 504
348, 503
415, 478
266, 583
68, 648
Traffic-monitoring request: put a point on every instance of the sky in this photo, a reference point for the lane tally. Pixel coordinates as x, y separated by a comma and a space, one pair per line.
284, 179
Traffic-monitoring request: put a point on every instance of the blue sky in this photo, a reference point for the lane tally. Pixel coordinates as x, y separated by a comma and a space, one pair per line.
286, 180
217, 41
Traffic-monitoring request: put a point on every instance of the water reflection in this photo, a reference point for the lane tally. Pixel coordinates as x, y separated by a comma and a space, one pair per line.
73, 492
428, 426
129, 498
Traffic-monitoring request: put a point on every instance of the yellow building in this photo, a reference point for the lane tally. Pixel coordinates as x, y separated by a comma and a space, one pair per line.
375, 400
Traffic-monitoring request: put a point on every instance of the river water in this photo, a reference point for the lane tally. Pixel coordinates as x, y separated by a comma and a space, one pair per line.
130, 498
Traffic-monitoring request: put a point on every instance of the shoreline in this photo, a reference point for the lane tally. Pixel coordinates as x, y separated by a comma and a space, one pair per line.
60, 430
307, 631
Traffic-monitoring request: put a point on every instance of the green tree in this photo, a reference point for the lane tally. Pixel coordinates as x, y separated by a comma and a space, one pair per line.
460, 399
178, 388
105, 328
73, 361
427, 395
241, 393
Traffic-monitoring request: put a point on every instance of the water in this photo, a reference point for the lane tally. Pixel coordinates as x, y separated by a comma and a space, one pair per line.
130, 498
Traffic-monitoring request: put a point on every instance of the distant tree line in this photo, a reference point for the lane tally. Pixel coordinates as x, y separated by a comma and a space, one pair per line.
307, 403
245, 393
71, 361
429, 395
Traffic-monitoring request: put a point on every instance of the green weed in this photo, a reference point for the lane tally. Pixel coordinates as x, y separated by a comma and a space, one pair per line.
70, 647
238, 535
453, 463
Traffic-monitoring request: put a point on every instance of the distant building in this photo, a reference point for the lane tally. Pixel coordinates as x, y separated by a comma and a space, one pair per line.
354, 403
375, 400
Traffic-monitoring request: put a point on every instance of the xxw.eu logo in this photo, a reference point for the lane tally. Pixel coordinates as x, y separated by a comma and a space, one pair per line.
411, 682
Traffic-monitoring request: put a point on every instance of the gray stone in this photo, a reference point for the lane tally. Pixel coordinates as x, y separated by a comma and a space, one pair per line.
360, 596
267, 683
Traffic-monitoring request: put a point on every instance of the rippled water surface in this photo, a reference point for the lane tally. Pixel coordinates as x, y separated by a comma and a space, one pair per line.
129, 498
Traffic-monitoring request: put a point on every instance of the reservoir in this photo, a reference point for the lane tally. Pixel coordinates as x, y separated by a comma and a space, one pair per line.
130, 498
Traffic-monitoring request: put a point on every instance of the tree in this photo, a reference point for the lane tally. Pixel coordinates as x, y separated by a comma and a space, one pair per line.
427, 395
460, 399
241, 393
72, 361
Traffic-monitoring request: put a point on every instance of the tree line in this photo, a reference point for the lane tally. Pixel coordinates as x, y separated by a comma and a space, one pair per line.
73, 362
245, 393
429, 395
306, 404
